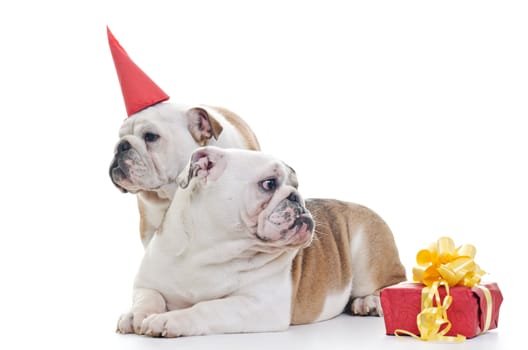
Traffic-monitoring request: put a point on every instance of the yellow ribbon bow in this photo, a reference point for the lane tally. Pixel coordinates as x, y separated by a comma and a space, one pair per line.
441, 264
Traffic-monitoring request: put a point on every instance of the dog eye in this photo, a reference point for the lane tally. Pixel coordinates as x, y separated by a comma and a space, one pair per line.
150, 137
268, 185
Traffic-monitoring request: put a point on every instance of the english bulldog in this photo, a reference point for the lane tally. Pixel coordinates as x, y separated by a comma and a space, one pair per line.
155, 144
239, 250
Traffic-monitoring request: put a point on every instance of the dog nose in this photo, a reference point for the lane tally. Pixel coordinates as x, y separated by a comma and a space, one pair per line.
123, 146
293, 197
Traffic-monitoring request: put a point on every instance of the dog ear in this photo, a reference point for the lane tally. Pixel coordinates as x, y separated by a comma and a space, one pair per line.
206, 164
202, 125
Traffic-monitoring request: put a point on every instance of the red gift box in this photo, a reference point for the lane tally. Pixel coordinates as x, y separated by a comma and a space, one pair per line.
468, 312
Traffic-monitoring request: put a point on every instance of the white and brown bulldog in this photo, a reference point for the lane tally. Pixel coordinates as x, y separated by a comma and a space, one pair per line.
238, 251
156, 143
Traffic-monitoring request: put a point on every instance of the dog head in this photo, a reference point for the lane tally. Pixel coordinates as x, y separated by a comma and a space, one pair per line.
247, 193
155, 144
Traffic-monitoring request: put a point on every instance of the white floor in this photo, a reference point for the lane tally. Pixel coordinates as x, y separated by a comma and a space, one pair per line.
344, 332
91, 326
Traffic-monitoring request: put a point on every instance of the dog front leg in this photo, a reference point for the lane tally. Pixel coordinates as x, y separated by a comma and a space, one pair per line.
235, 314
145, 302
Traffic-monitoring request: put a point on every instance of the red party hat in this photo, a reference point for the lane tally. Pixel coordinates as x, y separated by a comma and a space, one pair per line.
139, 91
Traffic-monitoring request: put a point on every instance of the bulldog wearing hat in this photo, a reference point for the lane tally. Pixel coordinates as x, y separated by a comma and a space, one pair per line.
231, 246
158, 138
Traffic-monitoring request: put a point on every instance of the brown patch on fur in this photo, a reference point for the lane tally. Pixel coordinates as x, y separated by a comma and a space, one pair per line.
146, 227
142, 219
244, 129
321, 267
326, 265
216, 127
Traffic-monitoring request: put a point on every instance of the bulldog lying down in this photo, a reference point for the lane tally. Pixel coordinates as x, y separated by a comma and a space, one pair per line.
238, 251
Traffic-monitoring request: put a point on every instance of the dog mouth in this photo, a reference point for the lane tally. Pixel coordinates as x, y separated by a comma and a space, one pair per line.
302, 220
118, 172
297, 234
302, 229
288, 225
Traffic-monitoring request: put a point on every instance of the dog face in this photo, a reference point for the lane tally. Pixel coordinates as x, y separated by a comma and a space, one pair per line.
248, 193
155, 144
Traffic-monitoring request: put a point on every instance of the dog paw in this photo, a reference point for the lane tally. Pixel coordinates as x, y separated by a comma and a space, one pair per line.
169, 325
157, 325
366, 306
130, 322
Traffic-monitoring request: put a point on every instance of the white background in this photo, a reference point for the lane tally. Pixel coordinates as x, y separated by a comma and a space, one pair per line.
416, 109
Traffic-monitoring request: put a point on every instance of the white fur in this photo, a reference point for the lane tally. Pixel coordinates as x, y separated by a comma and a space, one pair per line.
363, 303
334, 304
362, 283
